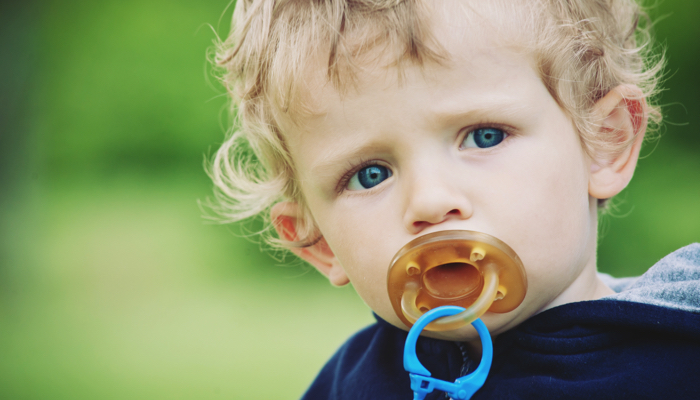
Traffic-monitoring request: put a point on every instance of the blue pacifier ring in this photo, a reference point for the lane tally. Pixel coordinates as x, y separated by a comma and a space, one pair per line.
462, 388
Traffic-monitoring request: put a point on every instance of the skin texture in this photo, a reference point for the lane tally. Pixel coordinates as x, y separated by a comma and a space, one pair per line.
537, 190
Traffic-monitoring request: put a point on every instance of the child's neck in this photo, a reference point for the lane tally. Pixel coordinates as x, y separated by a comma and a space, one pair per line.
585, 287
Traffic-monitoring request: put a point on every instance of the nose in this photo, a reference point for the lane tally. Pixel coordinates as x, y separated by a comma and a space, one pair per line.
434, 198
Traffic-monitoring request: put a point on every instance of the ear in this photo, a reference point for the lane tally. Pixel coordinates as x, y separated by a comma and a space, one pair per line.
286, 217
622, 116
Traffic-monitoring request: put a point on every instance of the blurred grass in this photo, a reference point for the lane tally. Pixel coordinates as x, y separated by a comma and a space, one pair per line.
111, 284
131, 296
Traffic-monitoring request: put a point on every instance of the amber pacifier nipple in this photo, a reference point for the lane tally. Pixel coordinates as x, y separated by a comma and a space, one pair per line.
461, 268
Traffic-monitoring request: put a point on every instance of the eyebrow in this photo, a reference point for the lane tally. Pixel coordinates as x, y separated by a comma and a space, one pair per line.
343, 155
500, 106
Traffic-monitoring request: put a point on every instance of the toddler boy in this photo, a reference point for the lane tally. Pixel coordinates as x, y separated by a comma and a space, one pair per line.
365, 124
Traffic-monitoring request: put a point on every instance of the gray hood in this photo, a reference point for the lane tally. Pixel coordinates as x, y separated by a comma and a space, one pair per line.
673, 282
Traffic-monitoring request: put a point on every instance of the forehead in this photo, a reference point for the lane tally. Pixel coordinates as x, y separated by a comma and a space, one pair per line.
464, 31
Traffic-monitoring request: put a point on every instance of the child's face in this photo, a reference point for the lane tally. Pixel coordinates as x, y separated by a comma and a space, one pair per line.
478, 144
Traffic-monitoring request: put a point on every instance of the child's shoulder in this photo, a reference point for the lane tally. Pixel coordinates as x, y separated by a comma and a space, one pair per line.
643, 342
663, 302
673, 282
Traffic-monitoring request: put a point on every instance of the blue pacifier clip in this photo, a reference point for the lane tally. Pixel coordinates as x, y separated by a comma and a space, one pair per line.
463, 387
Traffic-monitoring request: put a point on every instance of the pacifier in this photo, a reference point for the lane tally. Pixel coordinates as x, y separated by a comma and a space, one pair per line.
461, 268
445, 280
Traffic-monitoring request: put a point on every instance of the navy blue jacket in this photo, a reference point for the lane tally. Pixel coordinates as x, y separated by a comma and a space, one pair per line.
603, 349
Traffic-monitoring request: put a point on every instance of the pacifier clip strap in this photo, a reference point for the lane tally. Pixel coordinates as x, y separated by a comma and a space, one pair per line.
421, 381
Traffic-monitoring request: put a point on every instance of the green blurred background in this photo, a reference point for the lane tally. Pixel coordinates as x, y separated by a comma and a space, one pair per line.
112, 286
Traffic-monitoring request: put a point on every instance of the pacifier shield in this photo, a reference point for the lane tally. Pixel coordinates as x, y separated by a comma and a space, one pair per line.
455, 268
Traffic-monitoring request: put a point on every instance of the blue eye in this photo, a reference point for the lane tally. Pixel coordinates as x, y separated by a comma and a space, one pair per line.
483, 138
369, 177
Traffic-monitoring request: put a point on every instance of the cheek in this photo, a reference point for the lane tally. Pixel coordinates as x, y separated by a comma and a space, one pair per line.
543, 190
554, 227
364, 246
541, 200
